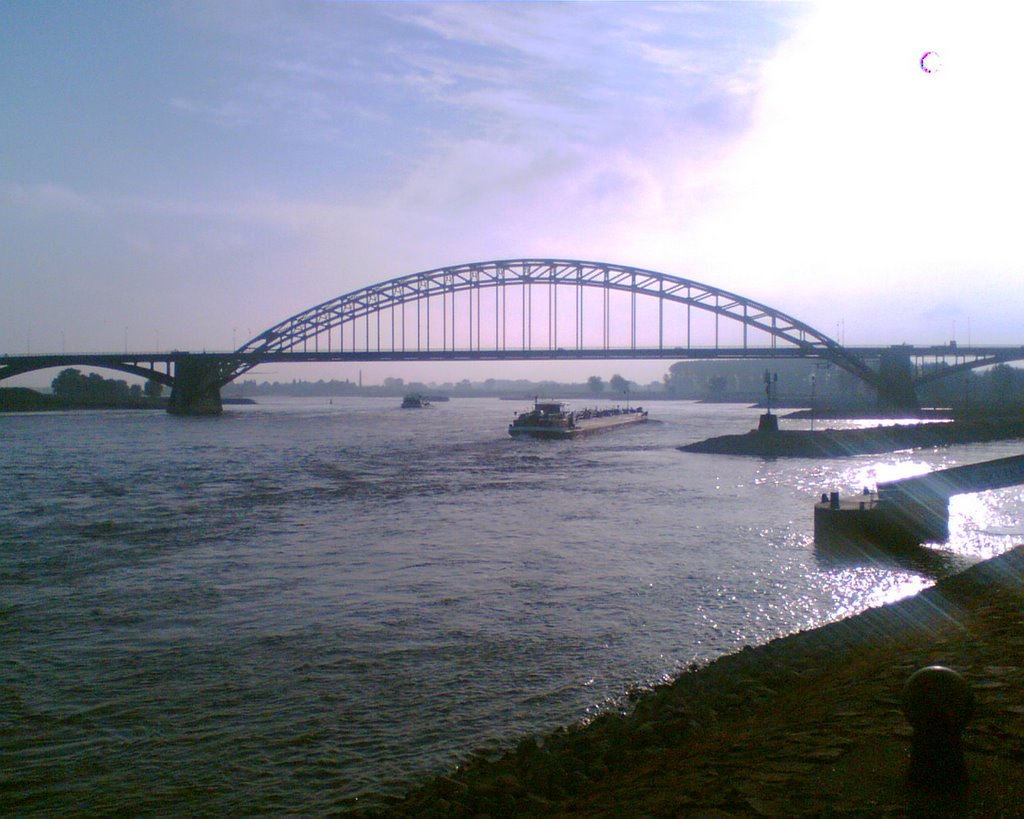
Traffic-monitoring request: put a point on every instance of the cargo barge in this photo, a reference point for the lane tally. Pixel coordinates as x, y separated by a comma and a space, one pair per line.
551, 419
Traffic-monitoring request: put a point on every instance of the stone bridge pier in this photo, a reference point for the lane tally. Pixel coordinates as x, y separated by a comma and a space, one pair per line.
197, 382
896, 381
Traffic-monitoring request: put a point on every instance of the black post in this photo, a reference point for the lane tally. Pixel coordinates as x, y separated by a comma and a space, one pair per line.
938, 704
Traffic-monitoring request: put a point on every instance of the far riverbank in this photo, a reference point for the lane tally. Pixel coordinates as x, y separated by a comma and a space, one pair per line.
22, 399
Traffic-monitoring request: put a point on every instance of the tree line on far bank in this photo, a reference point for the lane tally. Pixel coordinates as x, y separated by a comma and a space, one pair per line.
800, 382
1000, 387
74, 387
616, 388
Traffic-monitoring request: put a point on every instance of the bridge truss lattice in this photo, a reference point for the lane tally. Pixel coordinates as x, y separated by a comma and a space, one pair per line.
532, 308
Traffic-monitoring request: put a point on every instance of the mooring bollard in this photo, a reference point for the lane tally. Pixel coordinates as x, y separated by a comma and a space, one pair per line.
938, 704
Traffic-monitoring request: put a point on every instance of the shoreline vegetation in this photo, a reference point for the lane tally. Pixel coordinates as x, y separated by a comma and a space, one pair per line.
73, 390
22, 399
25, 399
812, 391
806, 725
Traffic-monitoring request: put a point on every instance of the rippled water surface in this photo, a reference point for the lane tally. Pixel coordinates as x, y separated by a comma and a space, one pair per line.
298, 606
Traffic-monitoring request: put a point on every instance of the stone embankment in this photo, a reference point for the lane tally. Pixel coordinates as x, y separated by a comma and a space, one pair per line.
806, 725
831, 443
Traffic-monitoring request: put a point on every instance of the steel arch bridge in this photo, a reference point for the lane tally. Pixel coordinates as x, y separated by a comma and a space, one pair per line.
526, 309
540, 308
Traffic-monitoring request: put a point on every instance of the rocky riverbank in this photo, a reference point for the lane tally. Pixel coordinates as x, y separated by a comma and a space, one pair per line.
831, 443
806, 725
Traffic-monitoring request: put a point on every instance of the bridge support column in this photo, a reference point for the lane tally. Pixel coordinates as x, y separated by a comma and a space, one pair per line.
196, 389
896, 373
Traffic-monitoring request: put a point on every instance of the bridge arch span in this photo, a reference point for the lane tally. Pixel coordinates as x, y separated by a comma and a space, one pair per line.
11, 366
985, 358
430, 310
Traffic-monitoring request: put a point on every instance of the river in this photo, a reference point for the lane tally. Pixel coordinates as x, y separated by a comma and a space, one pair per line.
302, 605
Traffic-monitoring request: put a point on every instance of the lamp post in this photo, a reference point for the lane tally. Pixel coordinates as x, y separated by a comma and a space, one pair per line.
768, 423
771, 382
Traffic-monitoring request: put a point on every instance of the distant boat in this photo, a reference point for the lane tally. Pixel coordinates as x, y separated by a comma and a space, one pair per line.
551, 419
415, 401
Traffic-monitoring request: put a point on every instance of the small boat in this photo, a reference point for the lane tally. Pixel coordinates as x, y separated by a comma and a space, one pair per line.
551, 419
415, 401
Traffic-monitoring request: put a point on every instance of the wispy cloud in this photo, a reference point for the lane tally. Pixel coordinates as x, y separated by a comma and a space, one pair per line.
47, 200
496, 68
299, 150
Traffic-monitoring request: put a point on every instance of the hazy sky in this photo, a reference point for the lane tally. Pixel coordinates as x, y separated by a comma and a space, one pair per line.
186, 174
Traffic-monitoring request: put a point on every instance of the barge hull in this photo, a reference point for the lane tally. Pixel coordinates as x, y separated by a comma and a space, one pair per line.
583, 427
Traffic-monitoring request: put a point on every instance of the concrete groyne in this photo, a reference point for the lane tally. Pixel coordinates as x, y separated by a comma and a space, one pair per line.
833, 443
